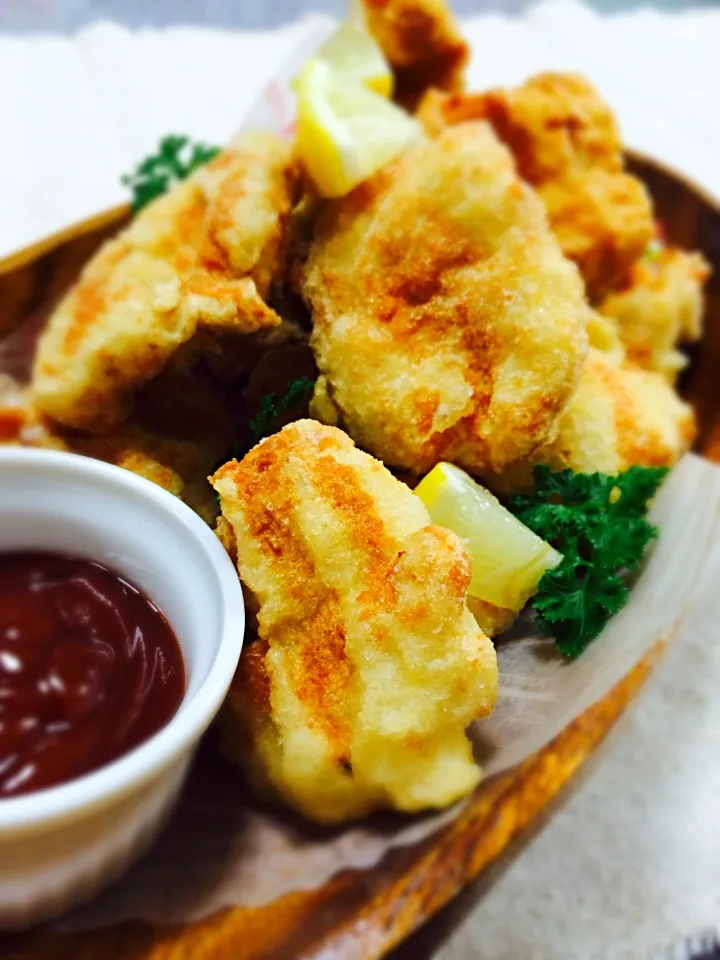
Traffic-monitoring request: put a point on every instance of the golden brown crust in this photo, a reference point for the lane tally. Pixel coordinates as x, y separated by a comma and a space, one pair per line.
439, 109
178, 432
566, 143
603, 220
659, 306
200, 258
553, 123
619, 416
368, 665
447, 324
492, 620
320, 674
421, 41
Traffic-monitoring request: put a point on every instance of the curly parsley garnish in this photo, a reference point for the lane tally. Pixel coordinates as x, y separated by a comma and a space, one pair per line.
175, 159
599, 524
272, 406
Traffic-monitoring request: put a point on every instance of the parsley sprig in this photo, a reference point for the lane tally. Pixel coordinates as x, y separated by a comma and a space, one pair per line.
599, 524
175, 159
272, 406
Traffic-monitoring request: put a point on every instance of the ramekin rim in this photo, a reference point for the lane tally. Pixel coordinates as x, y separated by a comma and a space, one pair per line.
131, 771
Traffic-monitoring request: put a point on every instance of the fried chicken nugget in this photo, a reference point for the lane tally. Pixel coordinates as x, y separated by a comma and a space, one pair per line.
200, 258
603, 220
178, 432
619, 416
660, 307
555, 122
368, 666
603, 335
20, 422
447, 323
567, 144
422, 43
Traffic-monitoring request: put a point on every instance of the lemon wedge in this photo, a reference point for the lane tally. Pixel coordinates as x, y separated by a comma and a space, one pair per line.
345, 132
352, 53
508, 558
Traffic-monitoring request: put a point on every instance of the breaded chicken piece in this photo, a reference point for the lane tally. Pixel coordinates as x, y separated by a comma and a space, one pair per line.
567, 144
553, 122
199, 259
603, 335
179, 423
603, 220
178, 433
619, 416
491, 619
368, 666
422, 43
447, 323
439, 109
660, 307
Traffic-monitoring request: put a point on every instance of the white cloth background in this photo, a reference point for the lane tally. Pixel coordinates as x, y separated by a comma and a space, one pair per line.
632, 861
75, 113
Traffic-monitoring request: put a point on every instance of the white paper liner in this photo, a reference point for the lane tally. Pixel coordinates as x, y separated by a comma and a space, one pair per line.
222, 849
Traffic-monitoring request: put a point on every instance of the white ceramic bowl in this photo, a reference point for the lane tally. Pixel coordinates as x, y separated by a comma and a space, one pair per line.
60, 846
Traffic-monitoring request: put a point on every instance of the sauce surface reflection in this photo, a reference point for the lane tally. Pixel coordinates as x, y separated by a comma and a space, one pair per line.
89, 669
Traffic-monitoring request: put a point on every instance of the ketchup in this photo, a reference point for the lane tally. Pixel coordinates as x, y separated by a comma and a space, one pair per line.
89, 669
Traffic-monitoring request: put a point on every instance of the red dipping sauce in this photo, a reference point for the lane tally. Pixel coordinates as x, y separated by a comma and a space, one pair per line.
89, 669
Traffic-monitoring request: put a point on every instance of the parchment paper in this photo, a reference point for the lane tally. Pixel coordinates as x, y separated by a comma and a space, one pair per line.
223, 849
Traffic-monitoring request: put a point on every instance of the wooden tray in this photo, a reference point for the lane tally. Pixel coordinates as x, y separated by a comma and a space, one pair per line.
365, 914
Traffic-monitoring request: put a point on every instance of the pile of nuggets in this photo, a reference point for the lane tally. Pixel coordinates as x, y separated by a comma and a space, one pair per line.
498, 297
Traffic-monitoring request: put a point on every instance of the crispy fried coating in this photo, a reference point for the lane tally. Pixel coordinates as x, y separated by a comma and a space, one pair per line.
619, 416
660, 306
178, 433
492, 620
447, 323
567, 144
421, 41
198, 260
368, 666
180, 428
603, 220
21, 424
439, 109
603, 335
552, 123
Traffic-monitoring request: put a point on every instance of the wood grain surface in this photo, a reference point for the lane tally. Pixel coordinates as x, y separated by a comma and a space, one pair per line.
38, 275
364, 914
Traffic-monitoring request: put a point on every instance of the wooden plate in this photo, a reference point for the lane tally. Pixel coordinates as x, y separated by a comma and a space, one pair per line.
364, 914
